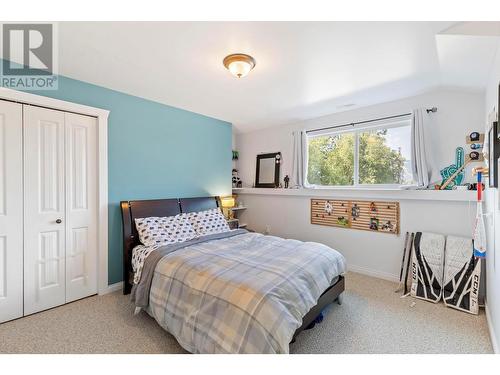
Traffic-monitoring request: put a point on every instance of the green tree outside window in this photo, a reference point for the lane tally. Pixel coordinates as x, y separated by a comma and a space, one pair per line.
331, 160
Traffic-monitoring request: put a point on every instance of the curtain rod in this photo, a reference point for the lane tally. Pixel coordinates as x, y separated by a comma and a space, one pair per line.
428, 110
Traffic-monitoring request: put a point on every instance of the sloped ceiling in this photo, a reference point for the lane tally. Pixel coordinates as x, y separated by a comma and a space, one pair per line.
304, 69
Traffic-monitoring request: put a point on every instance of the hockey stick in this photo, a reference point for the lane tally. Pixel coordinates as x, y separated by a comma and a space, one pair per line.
473, 156
405, 281
479, 232
452, 177
400, 285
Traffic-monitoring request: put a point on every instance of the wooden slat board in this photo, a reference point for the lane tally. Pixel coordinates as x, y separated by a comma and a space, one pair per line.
385, 217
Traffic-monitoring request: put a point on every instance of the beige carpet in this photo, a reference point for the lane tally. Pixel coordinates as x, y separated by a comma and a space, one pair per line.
372, 319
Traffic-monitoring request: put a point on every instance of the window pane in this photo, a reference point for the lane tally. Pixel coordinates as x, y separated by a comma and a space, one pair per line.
384, 156
331, 160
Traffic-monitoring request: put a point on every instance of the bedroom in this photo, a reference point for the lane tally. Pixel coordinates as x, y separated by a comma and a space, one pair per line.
263, 187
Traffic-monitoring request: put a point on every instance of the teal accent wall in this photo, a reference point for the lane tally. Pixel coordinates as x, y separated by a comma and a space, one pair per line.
154, 151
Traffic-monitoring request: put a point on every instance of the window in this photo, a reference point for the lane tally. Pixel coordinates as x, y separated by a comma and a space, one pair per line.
375, 155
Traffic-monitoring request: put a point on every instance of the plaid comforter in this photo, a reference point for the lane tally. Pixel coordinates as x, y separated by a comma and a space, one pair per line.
243, 294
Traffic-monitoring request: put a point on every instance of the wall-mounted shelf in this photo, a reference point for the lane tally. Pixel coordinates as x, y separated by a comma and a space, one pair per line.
381, 194
235, 212
238, 208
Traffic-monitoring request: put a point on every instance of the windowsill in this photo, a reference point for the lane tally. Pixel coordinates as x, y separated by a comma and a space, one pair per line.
368, 193
365, 187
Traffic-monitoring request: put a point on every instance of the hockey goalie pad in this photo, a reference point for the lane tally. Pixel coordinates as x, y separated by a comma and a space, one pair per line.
427, 266
462, 272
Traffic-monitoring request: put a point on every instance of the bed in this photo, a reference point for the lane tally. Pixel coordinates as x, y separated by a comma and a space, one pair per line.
215, 264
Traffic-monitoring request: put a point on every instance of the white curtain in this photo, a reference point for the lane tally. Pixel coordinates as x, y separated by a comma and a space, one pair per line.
419, 165
299, 160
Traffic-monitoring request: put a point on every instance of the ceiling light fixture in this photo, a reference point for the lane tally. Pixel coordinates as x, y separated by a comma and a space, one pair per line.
239, 64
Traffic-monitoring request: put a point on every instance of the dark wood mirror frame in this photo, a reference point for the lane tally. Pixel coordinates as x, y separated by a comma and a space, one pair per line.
271, 155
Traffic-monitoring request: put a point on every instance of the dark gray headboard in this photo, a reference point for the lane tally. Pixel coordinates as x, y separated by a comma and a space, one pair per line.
155, 207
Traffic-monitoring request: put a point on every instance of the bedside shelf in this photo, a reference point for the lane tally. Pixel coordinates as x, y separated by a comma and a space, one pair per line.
235, 212
234, 223
238, 208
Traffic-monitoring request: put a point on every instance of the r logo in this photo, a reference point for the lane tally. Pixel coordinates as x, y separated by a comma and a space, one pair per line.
28, 49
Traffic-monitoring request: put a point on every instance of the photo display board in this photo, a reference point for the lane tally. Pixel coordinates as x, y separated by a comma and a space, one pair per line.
374, 216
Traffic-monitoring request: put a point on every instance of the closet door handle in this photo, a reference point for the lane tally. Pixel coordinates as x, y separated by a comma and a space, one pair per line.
58, 221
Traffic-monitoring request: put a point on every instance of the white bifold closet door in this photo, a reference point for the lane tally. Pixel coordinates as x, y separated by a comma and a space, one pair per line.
11, 211
60, 213
81, 206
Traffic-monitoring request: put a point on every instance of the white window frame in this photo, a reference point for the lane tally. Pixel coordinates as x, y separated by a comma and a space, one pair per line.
400, 122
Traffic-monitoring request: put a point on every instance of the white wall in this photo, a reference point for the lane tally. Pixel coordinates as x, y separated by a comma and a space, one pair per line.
493, 223
459, 113
377, 254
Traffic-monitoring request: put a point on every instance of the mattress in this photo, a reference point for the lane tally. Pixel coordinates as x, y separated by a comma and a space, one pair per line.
246, 293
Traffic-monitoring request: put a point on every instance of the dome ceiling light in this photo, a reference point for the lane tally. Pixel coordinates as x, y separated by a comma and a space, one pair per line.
239, 64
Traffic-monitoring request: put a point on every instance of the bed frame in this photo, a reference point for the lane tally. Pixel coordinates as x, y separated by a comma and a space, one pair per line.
168, 207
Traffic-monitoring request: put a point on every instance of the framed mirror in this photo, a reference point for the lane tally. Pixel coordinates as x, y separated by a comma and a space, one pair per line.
267, 174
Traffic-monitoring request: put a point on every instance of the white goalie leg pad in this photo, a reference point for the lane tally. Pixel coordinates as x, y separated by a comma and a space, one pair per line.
427, 266
462, 273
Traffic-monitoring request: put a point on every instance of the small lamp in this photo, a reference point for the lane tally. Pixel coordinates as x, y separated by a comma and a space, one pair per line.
227, 203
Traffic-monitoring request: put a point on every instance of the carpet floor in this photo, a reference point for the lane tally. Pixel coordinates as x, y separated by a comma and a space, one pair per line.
372, 319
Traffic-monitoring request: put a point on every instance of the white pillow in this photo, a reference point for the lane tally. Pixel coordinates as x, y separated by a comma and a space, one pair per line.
164, 230
208, 222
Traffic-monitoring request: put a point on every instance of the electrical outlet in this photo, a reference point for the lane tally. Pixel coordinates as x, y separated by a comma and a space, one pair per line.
268, 229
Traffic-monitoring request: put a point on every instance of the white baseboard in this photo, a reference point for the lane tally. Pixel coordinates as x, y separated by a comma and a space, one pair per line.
373, 273
112, 288
493, 338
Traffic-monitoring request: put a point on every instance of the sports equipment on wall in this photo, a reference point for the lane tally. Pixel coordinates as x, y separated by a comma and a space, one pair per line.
456, 178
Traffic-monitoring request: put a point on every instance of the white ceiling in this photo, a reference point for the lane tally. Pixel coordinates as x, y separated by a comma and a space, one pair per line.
304, 69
